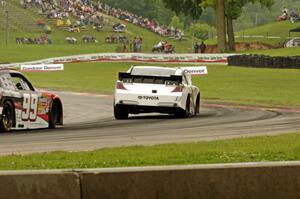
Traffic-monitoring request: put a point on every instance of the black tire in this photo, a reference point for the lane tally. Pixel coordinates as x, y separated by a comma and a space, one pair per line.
186, 112
53, 115
8, 117
188, 108
197, 106
120, 113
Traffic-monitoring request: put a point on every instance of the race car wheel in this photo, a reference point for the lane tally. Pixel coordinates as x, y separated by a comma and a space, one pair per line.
188, 108
8, 117
53, 115
186, 112
197, 106
120, 113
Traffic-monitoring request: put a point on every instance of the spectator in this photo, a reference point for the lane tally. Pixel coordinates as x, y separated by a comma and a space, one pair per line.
168, 46
285, 10
68, 22
40, 23
284, 15
294, 16
196, 48
125, 45
2, 3
59, 22
202, 47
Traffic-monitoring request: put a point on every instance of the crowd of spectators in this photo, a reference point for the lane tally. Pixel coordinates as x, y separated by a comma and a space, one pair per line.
88, 12
200, 48
149, 24
84, 10
42, 40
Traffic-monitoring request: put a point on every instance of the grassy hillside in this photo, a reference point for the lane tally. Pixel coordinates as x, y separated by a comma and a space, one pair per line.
22, 23
275, 29
278, 52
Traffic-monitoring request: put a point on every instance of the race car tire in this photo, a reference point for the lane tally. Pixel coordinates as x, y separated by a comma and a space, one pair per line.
186, 112
197, 105
8, 117
120, 113
53, 115
188, 107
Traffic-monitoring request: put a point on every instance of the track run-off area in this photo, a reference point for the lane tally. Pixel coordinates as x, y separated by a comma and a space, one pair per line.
89, 124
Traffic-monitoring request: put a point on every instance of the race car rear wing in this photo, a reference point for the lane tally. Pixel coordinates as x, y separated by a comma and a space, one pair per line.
129, 78
195, 70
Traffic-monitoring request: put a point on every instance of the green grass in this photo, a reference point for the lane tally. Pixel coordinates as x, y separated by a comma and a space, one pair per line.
278, 52
267, 148
234, 84
279, 29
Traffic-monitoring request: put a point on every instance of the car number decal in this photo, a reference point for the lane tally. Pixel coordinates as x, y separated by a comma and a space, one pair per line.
30, 107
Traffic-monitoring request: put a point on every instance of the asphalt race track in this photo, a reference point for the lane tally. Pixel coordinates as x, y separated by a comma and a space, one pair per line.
89, 124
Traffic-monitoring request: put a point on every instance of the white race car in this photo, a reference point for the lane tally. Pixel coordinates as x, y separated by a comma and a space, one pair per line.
148, 89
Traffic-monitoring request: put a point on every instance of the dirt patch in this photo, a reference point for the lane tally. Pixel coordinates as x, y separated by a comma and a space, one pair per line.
242, 46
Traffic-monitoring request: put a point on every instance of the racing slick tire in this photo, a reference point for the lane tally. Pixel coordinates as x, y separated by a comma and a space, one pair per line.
187, 111
8, 117
53, 115
120, 113
197, 106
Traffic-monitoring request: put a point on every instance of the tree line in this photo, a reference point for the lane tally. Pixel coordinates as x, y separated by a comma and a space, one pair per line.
226, 11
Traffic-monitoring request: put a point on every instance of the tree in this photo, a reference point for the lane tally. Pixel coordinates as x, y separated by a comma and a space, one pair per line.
220, 25
233, 11
175, 22
194, 9
187, 7
199, 30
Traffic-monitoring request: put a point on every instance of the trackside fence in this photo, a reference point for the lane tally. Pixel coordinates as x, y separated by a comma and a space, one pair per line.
131, 57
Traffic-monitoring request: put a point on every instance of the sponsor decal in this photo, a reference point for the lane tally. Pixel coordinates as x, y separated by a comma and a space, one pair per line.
43, 67
148, 98
197, 70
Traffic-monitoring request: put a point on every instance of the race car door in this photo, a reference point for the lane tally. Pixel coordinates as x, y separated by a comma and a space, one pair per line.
29, 103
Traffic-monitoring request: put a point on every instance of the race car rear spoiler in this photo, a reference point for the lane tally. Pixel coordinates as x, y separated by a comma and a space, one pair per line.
195, 70
177, 78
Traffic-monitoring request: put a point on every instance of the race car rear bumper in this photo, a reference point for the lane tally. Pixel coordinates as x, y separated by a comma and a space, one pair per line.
136, 109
